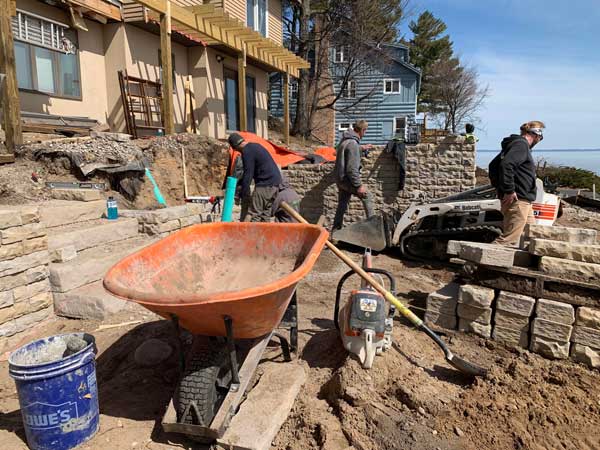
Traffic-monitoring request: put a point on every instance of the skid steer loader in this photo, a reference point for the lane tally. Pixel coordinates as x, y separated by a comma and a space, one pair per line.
422, 232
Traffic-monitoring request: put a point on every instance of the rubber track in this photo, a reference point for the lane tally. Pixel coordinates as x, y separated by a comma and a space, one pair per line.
448, 234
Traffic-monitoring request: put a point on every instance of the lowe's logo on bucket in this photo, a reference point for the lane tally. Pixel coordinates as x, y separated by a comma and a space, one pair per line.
44, 416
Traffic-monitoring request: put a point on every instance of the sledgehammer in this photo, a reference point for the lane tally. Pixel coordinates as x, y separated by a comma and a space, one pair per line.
459, 363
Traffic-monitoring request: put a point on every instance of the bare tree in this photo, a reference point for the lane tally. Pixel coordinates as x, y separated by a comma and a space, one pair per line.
459, 92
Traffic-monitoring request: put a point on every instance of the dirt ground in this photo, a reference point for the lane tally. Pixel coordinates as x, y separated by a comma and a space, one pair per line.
410, 399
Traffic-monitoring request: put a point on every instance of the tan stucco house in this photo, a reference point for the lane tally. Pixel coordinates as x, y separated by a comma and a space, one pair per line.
68, 54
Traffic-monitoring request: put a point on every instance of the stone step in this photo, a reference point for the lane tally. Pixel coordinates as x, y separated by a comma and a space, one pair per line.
90, 301
56, 213
92, 234
91, 265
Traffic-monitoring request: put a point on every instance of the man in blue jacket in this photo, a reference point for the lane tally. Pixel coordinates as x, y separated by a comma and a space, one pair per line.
347, 173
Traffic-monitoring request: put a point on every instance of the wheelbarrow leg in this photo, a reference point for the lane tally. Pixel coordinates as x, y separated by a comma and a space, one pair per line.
290, 320
285, 346
175, 320
235, 377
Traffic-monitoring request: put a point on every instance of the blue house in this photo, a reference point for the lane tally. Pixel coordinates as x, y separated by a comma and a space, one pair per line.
381, 89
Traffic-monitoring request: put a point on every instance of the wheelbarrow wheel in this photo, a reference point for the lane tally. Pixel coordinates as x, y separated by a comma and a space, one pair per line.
203, 386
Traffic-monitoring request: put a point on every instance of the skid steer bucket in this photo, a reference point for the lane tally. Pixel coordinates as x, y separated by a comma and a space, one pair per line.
369, 233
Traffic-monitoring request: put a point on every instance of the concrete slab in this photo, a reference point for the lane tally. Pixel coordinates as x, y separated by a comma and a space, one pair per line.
478, 296
549, 348
555, 311
551, 330
487, 254
588, 317
565, 268
566, 250
61, 212
444, 300
90, 301
448, 321
564, 234
519, 304
510, 337
266, 408
79, 195
472, 313
93, 236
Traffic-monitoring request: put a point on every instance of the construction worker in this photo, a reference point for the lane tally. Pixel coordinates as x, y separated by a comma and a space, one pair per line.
470, 137
513, 174
347, 173
260, 167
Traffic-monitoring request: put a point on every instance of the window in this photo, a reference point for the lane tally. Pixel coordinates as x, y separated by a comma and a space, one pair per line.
344, 126
341, 53
46, 55
256, 15
294, 90
399, 126
350, 90
391, 86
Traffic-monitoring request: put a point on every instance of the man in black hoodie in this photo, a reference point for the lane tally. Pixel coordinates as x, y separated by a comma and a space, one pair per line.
516, 181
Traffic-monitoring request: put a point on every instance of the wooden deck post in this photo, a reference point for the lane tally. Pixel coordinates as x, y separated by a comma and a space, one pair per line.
286, 107
242, 91
167, 71
11, 108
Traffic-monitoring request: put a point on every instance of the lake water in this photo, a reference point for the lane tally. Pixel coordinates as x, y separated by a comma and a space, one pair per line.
582, 159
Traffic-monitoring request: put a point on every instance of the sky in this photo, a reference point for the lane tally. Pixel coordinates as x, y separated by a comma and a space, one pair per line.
540, 59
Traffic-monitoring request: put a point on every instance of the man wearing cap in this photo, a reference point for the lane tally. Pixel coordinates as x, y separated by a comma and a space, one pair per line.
516, 181
260, 167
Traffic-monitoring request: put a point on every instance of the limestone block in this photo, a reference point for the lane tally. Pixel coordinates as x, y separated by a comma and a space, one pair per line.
29, 276
188, 221
63, 254
160, 228
168, 214
29, 214
586, 355
511, 321
31, 290
588, 317
566, 250
117, 137
9, 218
576, 270
511, 337
586, 336
83, 238
37, 302
555, 311
475, 314
80, 271
11, 251
551, 330
16, 234
564, 234
26, 321
6, 299
441, 320
35, 245
61, 212
549, 348
487, 254
80, 195
91, 301
519, 304
479, 329
479, 296
22, 263
444, 300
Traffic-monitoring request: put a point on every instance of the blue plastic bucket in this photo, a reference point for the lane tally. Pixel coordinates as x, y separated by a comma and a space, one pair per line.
57, 394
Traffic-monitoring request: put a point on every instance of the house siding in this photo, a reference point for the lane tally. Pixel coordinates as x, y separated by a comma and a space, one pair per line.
236, 8
275, 26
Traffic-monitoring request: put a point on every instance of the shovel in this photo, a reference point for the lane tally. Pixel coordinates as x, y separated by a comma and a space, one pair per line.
459, 363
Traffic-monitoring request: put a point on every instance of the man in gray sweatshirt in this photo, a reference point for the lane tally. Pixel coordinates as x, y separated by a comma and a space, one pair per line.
347, 173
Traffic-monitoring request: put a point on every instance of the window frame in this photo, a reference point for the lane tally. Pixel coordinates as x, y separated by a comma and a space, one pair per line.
403, 118
55, 53
350, 90
256, 26
294, 90
341, 128
344, 51
392, 81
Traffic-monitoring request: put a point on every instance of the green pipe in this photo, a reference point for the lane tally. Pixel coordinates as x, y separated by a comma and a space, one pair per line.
229, 199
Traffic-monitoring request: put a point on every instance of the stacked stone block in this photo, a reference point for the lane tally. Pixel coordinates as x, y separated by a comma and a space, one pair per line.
512, 317
475, 310
585, 340
432, 171
552, 328
162, 222
441, 307
25, 297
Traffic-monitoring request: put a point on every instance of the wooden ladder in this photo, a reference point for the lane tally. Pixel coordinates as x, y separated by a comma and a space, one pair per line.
142, 104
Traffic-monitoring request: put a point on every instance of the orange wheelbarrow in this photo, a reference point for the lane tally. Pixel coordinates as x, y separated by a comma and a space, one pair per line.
230, 285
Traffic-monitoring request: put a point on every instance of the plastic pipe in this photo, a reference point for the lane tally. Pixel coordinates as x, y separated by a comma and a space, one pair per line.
229, 199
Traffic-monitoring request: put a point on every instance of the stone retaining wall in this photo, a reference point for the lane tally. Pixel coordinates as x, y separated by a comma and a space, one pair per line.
432, 171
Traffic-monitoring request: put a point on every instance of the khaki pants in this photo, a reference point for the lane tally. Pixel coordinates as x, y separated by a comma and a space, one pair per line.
262, 200
516, 215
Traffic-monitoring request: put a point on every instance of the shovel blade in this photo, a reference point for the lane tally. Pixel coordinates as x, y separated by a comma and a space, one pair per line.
466, 367
369, 233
